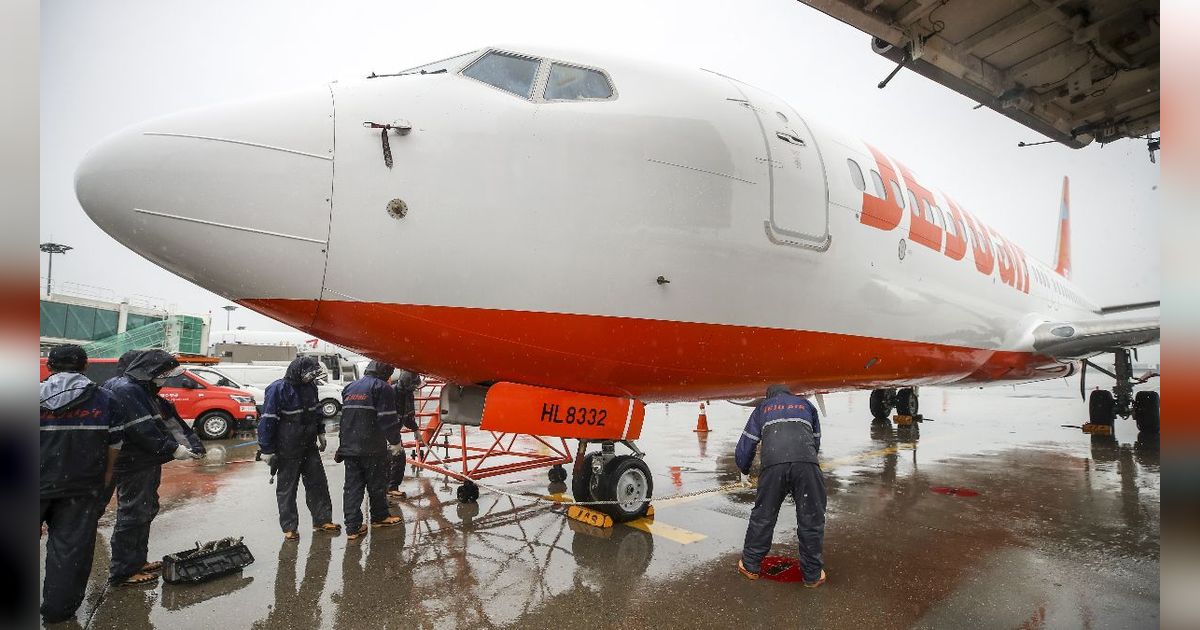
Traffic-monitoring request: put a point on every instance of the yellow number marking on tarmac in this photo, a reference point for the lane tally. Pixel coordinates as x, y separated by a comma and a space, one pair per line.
670, 532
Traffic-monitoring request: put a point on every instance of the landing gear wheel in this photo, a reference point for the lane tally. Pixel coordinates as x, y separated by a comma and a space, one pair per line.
626, 479
213, 425
468, 492
906, 402
583, 487
557, 474
882, 401
1145, 412
1102, 407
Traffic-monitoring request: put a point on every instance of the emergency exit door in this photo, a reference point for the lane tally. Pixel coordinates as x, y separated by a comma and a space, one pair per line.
798, 211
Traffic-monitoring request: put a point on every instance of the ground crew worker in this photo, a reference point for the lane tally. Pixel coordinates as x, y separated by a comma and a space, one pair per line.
789, 430
369, 425
80, 440
149, 440
291, 435
406, 385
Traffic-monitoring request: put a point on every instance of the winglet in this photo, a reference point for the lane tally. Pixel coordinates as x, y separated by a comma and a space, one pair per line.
1062, 249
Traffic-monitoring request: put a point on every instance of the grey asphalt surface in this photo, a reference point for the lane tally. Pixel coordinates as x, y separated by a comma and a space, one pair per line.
1063, 533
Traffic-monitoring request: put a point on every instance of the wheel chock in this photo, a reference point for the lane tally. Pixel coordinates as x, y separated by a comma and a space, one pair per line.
905, 421
590, 530
1097, 429
589, 517
649, 512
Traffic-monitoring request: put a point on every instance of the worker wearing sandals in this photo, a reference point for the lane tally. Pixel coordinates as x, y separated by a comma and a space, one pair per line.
370, 424
405, 385
291, 436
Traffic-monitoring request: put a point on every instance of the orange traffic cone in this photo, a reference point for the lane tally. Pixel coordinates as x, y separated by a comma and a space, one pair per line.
702, 421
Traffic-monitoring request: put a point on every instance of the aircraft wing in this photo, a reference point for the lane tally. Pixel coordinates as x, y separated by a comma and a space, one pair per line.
1078, 340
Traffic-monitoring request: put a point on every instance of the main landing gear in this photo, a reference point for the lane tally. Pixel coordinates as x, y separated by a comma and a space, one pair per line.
1104, 405
605, 476
904, 401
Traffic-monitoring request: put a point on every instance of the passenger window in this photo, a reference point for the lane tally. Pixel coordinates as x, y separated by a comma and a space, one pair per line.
899, 194
916, 207
181, 382
508, 72
877, 181
941, 220
856, 175
569, 83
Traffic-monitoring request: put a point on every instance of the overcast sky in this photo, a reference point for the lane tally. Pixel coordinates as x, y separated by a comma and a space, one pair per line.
105, 65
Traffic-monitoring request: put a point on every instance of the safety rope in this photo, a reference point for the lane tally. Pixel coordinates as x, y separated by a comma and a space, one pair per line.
675, 497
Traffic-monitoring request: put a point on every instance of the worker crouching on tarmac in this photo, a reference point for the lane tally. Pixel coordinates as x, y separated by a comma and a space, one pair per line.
80, 440
291, 436
789, 430
369, 425
406, 386
151, 437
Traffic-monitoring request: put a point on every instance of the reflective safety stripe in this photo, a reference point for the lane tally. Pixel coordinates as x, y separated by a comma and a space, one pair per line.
75, 427
357, 407
290, 412
816, 435
778, 420
268, 415
387, 413
153, 416
750, 436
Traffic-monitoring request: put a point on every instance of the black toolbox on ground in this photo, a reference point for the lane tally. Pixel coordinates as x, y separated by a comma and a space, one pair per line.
207, 561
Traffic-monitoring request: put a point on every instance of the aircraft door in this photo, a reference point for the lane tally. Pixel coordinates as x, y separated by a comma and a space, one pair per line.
798, 212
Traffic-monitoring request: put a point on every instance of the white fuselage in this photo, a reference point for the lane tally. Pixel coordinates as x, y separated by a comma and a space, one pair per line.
536, 233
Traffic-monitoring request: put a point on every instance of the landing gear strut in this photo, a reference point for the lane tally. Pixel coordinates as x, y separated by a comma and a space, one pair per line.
605, 476
1104, 406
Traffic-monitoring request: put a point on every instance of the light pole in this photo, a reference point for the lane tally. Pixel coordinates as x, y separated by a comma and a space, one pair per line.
52, 249
229, 309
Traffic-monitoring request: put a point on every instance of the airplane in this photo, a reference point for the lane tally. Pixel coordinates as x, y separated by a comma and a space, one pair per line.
567, 235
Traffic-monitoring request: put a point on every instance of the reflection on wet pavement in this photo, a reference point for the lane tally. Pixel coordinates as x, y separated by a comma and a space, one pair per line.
1063, 531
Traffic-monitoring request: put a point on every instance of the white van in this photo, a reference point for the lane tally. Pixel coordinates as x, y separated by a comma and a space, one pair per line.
255, 378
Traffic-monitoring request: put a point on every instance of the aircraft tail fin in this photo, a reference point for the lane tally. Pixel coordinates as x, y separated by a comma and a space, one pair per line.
1062, 249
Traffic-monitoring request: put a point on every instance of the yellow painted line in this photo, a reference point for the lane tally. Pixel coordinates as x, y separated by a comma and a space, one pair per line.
670, 532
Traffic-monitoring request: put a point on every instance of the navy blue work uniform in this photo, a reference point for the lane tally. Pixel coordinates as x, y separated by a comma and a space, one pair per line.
788, 429
406, 386
151, 435
80, 423
288, 429
369, 424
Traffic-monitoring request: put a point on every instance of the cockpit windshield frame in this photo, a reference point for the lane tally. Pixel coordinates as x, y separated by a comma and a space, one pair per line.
541, 77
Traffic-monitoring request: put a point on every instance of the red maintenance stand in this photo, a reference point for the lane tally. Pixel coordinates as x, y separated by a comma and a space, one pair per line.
470, 454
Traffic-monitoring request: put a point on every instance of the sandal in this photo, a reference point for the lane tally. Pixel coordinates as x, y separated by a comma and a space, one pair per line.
152, 567
291, 535
817, 583
397, 494
137, 578
362, 531
387, 522
746, 573
329, 528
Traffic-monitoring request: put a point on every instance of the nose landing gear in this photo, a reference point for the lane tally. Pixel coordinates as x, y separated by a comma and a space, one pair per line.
904, 400
1104, 406
623, 480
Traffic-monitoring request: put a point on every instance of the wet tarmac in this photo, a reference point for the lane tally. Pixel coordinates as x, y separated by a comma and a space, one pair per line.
1063, 532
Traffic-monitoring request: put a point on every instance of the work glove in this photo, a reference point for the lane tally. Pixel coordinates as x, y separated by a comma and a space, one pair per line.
267, 457
183, 452
396, 449
321, 442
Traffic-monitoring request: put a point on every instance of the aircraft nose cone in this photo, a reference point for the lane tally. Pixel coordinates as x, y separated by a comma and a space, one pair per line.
236, 197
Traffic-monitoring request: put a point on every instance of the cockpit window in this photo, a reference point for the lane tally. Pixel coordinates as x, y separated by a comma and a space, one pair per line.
571, 83
509, 72
450, 64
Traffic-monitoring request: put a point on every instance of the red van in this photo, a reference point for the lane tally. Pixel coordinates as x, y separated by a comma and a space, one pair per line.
215, 412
